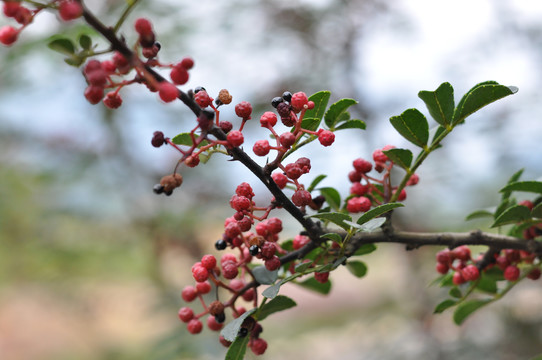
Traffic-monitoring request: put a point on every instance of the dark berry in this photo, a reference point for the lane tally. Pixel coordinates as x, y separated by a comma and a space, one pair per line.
254, 250
243, 332
158, 189
197, 89
220, 318
276, 101
287, 96
220, 244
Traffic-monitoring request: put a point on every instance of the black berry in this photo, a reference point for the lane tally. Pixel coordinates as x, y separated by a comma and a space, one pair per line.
158, 189
287, 96
276, 101
254, 250
243, 332
158, 139
221, 244
220, 318
197, 89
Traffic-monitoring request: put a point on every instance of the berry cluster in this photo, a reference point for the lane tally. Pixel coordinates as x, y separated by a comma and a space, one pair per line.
367, 191
67, 10
465, 268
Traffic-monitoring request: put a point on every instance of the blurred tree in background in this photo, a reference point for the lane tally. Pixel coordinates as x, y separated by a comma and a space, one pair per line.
91, 261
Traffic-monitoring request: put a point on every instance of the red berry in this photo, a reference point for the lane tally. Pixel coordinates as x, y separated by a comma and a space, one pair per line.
280, 179
326, 137
94, 94
23, 16
414, 179
354, 176
444, 256
227, 257
194, 326
187, 63
230, 270
8, 35
299, 100
462, 253
69, 10
261, 147
442, 268
179, 75
192, 161
226, 126
236, 284
300, 241
304, 163
167, 91
244, 189
240, 203
358, 204
379, 156
232, 230
249, 295
243, 110
119, 60
262, 229
11, 8
235, 138
268, 119
502, 262
293, 171
287, 139
301, 198
511, 273
258, 346
470, 273
322, 277
203, 287
274, 225
189, 293
143, 27
359, 189
200, 273
534, 274
208, 262
402, 195
112, 100
363, 166
527, 203
458, 279
186, 314
273, 263
245, 223
268, 250
212, 324
203, 99
512, 255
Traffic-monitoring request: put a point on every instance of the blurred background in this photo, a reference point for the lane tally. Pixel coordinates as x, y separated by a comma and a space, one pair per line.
92, 262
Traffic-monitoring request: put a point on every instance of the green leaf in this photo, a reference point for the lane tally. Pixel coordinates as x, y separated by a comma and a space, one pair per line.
74, 61
185, 139
62, 45
455, 292
487, 284
279, 303
514, 178
333, 197
315, 182
85, 41
264, 276
479, 96
312, 284
401, 157
352, 124
446, 304
365, 249
435, 133
238, 348
527, 186
537, 211
272, 291
479, 214
467, 308
357, 268
311, 124
231, 330
413, 126
300, 268
320, 100
335, 110
333, 236
334, 217
512, 215
440, 103
372, 225
377, 211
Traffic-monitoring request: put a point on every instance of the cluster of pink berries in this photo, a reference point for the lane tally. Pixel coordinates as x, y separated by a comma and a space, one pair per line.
207, 273
102, 75
464, 267
366, 190
67, 10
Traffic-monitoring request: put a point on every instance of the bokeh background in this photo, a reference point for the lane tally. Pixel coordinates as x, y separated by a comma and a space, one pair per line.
92, 263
